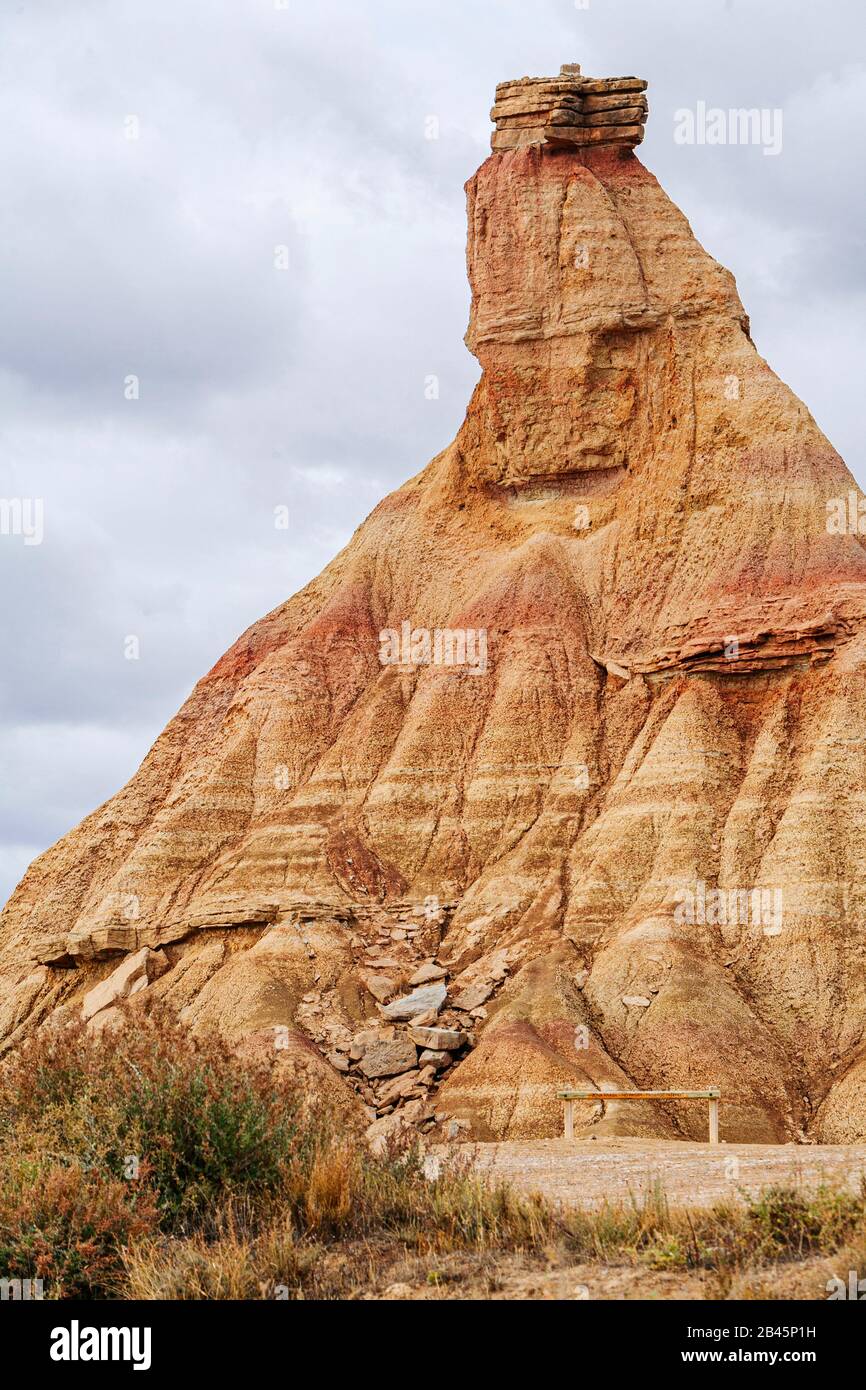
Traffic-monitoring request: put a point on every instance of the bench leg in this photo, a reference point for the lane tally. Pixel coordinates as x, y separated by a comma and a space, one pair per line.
714, 1122
569, 1119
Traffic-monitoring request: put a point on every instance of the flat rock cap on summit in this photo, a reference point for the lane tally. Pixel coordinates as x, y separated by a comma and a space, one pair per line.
569, 110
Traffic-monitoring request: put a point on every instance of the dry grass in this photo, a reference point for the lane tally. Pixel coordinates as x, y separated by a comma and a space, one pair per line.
234, 1265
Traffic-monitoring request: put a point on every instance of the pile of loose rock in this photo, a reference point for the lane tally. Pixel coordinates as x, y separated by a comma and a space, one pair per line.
422, 1027
397, 1061
569, 110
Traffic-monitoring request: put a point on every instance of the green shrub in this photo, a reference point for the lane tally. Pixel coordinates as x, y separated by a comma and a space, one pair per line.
195, 1125
68, 1228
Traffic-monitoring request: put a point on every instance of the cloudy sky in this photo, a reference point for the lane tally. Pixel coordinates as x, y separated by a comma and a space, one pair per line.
231, 209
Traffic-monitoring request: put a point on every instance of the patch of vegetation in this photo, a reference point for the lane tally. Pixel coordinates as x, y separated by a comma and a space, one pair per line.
158, 1110
68, 1227
780, 1224
154, 1146
152, 1164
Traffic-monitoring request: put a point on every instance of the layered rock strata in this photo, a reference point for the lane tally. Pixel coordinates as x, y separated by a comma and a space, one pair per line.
569, 110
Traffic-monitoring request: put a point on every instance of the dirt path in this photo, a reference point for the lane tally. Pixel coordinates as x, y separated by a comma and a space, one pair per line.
585, 1172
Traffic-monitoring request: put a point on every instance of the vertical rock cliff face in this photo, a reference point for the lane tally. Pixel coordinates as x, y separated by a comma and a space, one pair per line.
615, 812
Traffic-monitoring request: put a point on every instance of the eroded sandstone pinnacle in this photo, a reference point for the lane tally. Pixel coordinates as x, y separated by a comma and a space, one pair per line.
569, 110
627, 850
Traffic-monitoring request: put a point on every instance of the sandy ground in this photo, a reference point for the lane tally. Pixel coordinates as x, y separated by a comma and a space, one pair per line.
585, 1172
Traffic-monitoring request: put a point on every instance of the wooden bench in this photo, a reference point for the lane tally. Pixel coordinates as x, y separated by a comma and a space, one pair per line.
711, 1094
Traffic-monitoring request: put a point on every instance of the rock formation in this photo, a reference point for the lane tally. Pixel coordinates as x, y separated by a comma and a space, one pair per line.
568, 743
569, 110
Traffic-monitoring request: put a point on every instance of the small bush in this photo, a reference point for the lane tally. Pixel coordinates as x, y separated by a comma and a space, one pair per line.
331, 1189
199, 1127
68, 1228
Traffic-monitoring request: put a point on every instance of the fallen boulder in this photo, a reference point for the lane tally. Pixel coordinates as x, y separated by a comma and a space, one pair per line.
389, 1058
433, 1058
418, 1002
